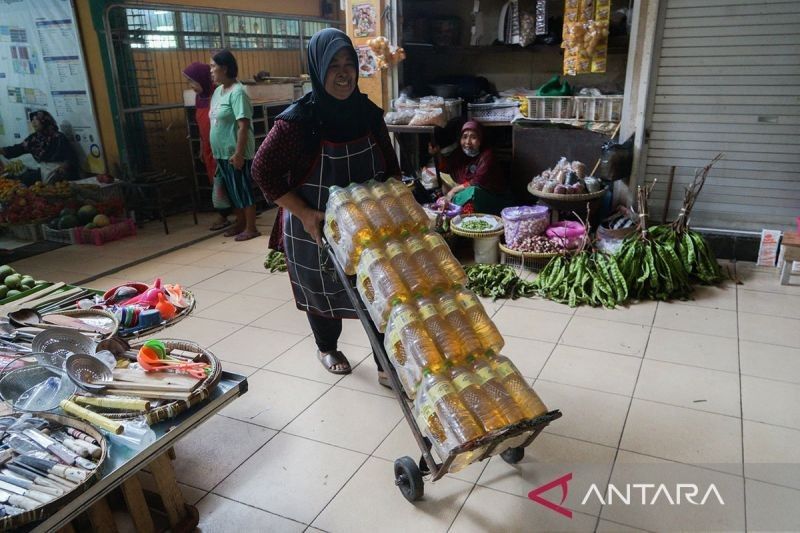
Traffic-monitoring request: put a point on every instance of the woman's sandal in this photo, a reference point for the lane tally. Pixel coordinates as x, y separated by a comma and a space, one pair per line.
216, 226
383, 380
247, 235
331, 359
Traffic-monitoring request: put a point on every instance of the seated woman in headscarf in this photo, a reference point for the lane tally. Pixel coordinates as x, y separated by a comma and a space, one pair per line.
332, 136
50, 148
481, 186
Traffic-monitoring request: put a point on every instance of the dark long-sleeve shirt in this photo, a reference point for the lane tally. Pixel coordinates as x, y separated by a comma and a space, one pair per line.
481, 170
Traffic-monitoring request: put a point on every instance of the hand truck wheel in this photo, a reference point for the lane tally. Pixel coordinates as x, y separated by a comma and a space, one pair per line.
408, 478
513, 455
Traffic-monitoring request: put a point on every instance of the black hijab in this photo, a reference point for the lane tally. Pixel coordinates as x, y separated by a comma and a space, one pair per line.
328, 117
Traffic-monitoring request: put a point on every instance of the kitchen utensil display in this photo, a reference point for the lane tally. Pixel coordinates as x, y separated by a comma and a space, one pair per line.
25, 317
62, 341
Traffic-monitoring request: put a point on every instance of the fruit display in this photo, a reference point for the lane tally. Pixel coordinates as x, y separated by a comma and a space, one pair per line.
438, 336
12, 283
21, 205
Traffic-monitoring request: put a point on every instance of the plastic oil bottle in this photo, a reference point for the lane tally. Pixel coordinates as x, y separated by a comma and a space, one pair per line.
392, 205
511, 378
431, 426
476, 399
419, 218
372, 210
442, 256
408, 344
379, 275
409, 272
426, 263
491, 384
440, 330
453, 414
483, 326
346, 228
458, 321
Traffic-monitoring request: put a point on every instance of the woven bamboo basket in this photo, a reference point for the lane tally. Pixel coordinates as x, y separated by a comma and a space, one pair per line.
530, 260
476, 234
171, 409
46, 509
566, 198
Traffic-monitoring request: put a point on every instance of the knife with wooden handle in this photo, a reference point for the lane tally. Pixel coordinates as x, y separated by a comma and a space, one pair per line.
28, 493
41, 478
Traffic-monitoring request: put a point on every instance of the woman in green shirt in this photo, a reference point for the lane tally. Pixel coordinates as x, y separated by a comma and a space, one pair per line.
232, 142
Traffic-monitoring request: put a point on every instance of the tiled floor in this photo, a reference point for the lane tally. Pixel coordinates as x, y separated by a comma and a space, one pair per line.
702, 392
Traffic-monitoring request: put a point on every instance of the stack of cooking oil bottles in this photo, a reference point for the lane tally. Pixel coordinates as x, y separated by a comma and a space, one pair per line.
444, 346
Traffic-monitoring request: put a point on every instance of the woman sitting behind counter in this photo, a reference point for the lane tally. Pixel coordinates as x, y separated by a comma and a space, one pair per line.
49, 147
481, 186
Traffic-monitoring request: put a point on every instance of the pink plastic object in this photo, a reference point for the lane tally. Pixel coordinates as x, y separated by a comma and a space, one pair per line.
156, 283
166, 309
140, 288
567, 233
148, 298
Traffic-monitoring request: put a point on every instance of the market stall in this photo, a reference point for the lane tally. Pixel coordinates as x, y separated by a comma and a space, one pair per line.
90, 404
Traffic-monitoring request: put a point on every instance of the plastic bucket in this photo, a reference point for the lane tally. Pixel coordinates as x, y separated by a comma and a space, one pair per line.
486, 250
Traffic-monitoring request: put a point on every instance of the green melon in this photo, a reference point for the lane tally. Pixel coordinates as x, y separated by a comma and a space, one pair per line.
3, 291
67, 222
14, 281
6, 271
86, 214
12, 293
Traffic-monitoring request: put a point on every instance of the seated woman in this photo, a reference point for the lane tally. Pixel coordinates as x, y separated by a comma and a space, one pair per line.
50, 148
480, 184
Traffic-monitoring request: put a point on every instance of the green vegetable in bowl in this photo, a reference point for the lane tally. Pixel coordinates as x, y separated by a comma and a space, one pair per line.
475, 225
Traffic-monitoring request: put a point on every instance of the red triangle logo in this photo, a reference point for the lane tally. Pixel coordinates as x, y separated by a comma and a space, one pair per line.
562, 482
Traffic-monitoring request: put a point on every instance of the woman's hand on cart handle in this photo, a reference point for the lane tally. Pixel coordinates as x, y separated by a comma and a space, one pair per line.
312, 223
433, 149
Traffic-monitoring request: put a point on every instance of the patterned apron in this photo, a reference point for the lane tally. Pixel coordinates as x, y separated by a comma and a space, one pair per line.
318, 290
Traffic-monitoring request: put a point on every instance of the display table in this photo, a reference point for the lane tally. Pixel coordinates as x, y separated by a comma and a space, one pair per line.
153, 195
791, 253
123, 464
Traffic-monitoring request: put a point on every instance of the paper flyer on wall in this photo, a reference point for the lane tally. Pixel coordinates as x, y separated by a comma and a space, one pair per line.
42, 68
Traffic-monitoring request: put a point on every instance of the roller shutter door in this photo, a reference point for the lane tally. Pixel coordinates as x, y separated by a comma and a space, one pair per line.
727, 79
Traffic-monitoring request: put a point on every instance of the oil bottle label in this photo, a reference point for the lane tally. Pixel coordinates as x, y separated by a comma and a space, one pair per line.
425, 413
439, 391
448, 305
361, 194
467, 300
432, 241
426, 311
485, 374
504, 369
465, 380
414, 246
370, 255
403, 319
393, 249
